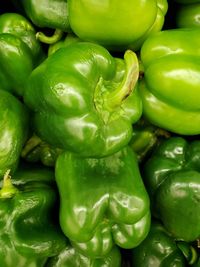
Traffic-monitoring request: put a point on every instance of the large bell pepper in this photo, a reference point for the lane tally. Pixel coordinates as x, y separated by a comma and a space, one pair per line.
116, 24
70, 257
159, 249
20, 52
102, 202
13, 131
28, 233
172, 178
84, 100
170, 88
188, 15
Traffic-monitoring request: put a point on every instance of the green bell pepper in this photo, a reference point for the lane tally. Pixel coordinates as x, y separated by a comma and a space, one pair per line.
70, 257
170, 87
187, 1
28, 232
159, 249
172, 178
20, 52
48, 13
117, 25
84, 100
188, 15
102, 202
13, 131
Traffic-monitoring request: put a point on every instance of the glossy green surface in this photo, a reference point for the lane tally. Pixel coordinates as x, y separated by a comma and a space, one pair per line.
70, 257
188, 16
85, 100
28, 234
170, 88
172, 179
13, 131
47, 13
116, 24
20, 52
102, 202
158, 249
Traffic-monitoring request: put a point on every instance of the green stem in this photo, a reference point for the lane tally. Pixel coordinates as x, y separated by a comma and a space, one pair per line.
188, 251
49, 39
8, 190
33, 142
115, 98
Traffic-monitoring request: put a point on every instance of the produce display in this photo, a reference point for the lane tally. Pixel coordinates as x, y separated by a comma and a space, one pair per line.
100, 133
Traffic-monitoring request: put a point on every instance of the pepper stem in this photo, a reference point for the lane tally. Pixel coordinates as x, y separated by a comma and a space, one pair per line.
33, 142
8, 190
49, 39
115, 98
188, 251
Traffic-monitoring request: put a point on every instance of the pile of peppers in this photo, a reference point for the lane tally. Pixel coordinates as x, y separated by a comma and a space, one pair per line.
100, 133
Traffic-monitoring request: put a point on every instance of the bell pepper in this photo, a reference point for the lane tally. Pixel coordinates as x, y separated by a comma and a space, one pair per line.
20, 52
84, 100
159, 249
117, 25
29, 235
48, 13
36, 150
102, 202
70, 257
187, 1
170, 86
188, 15
13, 131
172, 178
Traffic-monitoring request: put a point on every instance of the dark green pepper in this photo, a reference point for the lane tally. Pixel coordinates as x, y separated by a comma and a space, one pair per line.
28, 232
188, 15
13, 131
48, 13
117, 25
20, 52
159, 249
102, 202
170, 88
172, 178
70, 257
84, 100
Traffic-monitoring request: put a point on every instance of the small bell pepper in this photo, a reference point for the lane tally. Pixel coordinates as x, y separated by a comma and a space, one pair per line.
47, 13
188, 15
13, 131
159, 249
172, 178
102, 202
50, 14
20, 52
70, 257
84, 100
28, 234
117, 25
170, 86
